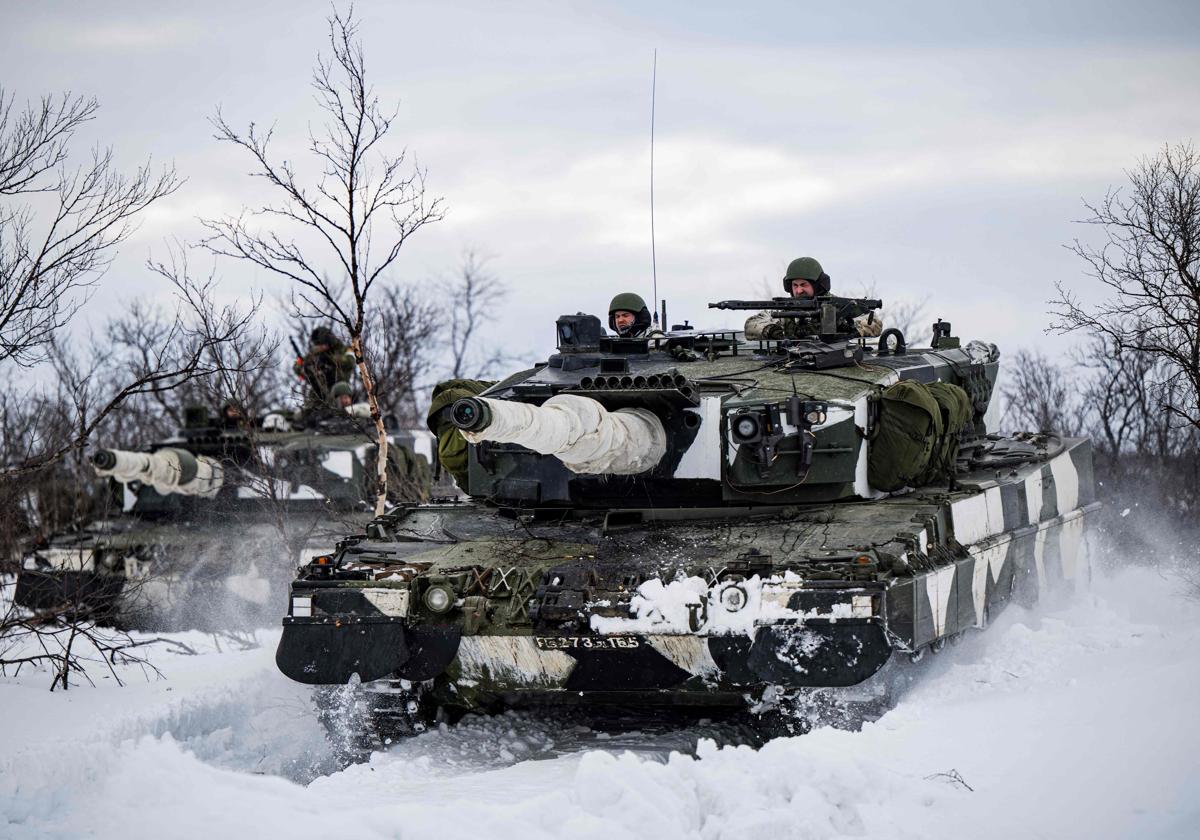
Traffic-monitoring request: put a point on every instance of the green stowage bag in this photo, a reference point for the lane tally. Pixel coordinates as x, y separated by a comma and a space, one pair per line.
957, 412
451, 445
904, 438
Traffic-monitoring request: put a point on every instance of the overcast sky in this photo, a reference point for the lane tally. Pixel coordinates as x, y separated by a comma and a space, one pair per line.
922, 148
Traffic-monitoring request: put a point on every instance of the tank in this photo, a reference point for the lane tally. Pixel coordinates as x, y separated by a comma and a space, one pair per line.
206, 524
698, 521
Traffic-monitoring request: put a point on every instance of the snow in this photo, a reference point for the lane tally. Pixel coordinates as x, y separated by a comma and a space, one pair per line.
671, 607
1075, 719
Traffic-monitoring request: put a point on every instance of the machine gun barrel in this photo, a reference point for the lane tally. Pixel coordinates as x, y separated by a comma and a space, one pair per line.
166, 470
803, 305
588, 438
776, 303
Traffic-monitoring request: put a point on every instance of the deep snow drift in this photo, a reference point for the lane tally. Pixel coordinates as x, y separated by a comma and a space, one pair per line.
1076, 719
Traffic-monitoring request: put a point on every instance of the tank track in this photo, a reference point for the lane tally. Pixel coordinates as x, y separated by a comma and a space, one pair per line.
362, 718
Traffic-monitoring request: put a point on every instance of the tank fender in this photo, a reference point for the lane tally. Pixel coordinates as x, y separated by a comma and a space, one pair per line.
431, 649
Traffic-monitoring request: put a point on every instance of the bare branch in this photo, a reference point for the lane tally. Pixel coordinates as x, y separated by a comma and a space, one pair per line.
49, 264
472, 298
1149, 263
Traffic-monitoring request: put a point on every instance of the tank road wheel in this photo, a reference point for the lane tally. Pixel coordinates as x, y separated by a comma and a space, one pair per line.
361, 718
917, 655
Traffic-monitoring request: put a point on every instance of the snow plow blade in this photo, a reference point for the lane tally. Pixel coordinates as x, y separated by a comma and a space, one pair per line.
320, 652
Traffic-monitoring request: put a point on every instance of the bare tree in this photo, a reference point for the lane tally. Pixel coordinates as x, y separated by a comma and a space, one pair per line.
244, 367
45, 500
33, 140
191, 351
67, 645
360, 210
49, 260
401, 348
1149, 263
1039, 396
905, 314
911, 318
472, 299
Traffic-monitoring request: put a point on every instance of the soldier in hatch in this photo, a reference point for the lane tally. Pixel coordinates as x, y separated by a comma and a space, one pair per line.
341, 400
804, 278
232, 416
327, 363
628, 316
341, 396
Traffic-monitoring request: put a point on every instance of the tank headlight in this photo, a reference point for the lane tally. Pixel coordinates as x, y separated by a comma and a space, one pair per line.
733, 598
815, 418
439, 598
745, 428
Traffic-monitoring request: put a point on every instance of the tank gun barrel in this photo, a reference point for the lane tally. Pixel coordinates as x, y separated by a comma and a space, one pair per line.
104, 459
579, 431
166, 470
471, 414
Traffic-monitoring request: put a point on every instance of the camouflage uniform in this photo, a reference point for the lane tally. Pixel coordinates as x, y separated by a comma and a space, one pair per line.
409, 479
763, 326
321, 370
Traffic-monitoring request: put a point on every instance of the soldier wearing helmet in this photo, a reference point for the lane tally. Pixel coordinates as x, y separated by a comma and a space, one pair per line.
341, 399
804, 278
326, 363
628, 316
231, 416
341, 396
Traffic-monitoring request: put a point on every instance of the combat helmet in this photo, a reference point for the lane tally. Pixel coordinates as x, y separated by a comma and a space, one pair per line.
324, 335
629, 302
340, 389
806, 268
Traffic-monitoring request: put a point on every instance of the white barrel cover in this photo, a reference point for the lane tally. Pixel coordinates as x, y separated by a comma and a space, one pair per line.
162, 471
584, 435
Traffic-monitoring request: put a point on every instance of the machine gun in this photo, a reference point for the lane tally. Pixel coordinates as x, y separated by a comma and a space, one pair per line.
786, 307
829, 315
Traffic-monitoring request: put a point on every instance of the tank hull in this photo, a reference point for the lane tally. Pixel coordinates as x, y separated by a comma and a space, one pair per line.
688, 610
171, 575
166, 559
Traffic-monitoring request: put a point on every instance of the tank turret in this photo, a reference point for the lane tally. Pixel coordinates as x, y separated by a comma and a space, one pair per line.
167, 470
585, 436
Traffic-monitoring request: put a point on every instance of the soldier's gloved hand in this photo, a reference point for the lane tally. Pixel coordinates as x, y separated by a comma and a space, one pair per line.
773, 331
868, 325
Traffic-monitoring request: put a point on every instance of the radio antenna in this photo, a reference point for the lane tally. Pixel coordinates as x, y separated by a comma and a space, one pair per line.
653, 252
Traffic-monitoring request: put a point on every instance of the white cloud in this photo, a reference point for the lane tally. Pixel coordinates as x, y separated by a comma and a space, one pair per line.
107, 35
